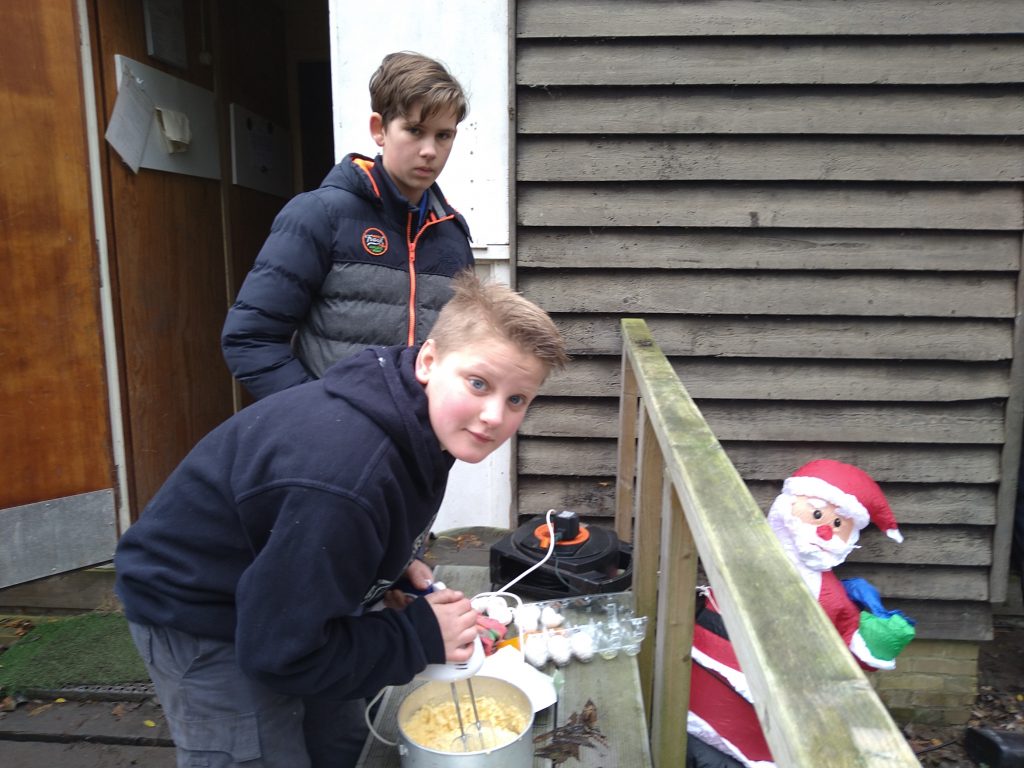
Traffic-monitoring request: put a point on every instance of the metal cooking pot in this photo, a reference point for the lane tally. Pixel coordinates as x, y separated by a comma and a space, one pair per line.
516, 754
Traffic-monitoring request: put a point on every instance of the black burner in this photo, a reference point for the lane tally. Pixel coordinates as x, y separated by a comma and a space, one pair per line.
595, 562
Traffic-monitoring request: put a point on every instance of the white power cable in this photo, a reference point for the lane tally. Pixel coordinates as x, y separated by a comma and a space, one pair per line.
366, 716
539, 563
504, 591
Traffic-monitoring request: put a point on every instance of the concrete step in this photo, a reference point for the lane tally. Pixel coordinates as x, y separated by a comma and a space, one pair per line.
134, 723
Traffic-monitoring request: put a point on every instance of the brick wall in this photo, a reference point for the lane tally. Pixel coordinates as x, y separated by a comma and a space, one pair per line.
935, 683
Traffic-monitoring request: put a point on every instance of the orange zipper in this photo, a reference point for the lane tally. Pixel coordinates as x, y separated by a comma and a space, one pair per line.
411, 339
412, 282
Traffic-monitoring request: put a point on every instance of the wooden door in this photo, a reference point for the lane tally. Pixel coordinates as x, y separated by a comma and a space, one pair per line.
57, 501
167, 252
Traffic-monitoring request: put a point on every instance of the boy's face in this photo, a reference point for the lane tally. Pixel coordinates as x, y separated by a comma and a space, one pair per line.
415, 152
478, 395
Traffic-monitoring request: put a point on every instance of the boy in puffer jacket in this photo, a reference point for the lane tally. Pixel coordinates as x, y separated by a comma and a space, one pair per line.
368, 257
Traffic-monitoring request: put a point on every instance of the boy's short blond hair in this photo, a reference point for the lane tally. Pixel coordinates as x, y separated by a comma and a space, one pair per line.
406, 79
480, 311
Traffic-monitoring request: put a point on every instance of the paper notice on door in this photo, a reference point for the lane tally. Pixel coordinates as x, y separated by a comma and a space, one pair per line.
175, 129
130, 123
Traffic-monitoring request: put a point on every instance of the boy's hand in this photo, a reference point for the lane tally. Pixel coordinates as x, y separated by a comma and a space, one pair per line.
419, 576
457, 620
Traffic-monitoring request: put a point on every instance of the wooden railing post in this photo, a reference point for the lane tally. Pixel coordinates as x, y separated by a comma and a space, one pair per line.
650, 473
677, 591
626, 473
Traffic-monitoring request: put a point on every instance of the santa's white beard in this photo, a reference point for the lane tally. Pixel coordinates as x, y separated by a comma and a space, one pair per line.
801, 540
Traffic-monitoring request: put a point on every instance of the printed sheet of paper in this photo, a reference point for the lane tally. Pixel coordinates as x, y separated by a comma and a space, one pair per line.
130, 123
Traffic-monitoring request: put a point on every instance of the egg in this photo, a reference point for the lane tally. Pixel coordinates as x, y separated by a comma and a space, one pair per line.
536, 650
560, 649
528, 616
499, 611
551, 618
480, 604
582, 644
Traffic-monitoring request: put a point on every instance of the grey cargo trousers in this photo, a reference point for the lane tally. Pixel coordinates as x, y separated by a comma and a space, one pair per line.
218, 717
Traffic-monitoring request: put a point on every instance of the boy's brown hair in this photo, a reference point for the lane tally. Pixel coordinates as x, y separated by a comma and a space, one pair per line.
405, 79
481, 311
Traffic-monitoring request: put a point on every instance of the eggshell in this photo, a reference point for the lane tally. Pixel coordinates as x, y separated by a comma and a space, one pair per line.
550, 618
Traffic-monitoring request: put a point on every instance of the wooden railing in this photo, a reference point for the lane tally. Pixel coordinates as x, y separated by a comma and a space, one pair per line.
679, 497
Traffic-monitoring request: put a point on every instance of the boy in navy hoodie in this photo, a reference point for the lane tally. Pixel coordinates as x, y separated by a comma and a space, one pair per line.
248, 578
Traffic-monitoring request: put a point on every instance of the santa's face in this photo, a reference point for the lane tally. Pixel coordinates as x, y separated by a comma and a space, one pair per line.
812, 531
823, 516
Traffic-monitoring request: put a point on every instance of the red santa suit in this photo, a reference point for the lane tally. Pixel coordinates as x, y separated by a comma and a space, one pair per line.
721, 707
722, 713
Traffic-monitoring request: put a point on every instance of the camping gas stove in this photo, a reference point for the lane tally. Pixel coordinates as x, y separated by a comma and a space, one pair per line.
586, 560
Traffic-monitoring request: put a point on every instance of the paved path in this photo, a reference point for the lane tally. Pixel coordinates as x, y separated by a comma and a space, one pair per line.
85, 734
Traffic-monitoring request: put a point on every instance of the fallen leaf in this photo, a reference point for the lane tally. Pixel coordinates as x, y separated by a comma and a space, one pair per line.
118, 710
8, 704
149, 723
467, 540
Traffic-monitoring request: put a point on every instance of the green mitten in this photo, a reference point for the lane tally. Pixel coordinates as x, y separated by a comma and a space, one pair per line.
885, 637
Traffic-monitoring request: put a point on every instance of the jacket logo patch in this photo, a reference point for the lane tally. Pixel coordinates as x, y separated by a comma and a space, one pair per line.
375, 242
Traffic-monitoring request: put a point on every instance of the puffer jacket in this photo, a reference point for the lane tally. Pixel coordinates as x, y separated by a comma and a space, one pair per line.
344, 267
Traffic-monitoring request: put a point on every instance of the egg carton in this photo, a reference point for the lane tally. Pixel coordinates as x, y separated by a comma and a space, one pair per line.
572, 628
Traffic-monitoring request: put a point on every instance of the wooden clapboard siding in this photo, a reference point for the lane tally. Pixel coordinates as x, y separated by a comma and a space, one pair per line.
927, 465
724, 378
786, 61
949, 504
652, 18
955, 111
923, 582
919, 504
947, 619
803, 337
792, 205
772, 461
784, 421
594, 496
790, 158
944, 545
885, 294
817, 206
763, 249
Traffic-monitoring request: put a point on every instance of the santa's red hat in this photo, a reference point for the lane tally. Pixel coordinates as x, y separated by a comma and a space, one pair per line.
853, 491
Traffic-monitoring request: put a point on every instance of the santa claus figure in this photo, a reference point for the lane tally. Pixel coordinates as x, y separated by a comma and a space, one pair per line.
818, 518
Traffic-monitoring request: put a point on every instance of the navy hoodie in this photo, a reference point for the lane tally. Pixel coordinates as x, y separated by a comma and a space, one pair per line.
290, 518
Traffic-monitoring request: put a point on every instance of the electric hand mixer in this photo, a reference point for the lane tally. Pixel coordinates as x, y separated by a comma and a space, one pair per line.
453, 671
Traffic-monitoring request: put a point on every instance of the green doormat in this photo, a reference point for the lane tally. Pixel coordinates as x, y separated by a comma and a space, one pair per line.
89, 649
